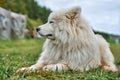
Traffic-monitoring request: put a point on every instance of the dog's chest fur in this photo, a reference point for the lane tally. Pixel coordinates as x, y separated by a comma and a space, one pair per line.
74, 56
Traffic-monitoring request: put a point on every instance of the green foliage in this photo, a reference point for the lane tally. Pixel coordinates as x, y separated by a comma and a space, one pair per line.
33, 23
115, 48
106, 36
15, 54
29, 8
17, 6
44, 13
2, 3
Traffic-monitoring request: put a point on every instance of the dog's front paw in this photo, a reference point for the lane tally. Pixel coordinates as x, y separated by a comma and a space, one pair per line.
49, 68
26, 69
110, 68
22, 70
56, 67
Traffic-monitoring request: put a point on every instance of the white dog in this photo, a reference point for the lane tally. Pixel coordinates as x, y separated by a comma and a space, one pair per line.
71, 45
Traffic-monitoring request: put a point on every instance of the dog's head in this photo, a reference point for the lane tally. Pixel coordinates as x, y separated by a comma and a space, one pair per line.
59, 24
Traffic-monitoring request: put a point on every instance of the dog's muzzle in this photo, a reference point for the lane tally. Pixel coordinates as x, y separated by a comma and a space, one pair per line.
37, 29
47, 35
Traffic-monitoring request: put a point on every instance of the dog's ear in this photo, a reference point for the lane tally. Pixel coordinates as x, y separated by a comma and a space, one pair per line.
73, 12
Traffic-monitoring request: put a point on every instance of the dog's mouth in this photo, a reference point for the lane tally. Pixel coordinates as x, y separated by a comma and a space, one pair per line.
46, 35
49, 36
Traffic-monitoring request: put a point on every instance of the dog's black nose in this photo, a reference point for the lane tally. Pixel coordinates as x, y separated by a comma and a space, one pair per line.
37, 29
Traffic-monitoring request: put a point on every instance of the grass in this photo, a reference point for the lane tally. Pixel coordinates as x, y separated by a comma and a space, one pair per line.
15, 54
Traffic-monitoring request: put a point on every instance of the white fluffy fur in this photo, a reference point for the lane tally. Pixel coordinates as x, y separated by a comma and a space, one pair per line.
71, 45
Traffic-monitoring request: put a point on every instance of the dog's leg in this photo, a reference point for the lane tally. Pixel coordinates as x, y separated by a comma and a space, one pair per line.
107, 58
108, 61
39, 65
34, 67
56, 67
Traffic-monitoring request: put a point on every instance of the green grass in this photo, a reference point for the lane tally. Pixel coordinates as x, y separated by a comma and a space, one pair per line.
15, 54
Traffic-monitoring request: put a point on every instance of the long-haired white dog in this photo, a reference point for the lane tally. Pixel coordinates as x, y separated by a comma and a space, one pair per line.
71, 45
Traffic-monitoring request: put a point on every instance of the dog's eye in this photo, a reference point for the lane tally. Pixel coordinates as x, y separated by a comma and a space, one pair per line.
51, 22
